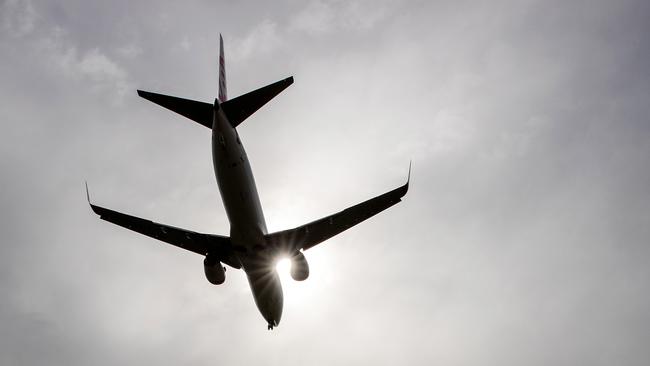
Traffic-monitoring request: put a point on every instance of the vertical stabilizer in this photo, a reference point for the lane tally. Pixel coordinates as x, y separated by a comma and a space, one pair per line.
223, 93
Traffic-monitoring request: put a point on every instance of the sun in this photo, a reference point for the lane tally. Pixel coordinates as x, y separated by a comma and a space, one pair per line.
283, 266
307, 292
322, 278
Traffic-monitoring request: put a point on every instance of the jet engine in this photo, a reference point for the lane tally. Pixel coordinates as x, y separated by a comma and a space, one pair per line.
299, 267
214, 271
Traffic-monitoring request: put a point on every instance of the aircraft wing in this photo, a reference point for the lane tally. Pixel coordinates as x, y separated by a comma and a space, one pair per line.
195, 242
313, 233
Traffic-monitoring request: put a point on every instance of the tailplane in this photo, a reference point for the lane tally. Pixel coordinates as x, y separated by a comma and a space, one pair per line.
237, 109
196, 111
243, 106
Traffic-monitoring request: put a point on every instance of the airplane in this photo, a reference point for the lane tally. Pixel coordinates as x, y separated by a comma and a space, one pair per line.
249, 247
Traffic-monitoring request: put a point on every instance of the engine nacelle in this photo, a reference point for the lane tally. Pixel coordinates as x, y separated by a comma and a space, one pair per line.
299, 267
214, 271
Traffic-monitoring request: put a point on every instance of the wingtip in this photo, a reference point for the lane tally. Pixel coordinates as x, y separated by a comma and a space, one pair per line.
87, 194
92, 207
408, 178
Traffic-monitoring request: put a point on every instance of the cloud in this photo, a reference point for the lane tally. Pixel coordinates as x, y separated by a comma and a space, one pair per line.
131, 50
18, 17
261, 39
523, 238
322, 17
93, 67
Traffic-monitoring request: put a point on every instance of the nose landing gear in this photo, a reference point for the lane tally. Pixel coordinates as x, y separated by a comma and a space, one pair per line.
270, 326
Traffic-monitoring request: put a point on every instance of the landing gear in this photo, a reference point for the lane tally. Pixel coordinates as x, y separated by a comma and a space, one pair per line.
270, 326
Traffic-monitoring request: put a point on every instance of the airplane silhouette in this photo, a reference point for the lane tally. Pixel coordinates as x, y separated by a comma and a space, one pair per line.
249, 247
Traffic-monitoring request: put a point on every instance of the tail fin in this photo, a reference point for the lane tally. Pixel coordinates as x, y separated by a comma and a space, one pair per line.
223, 92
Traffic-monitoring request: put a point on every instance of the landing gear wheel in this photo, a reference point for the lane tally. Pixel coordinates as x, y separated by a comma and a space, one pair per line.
270, 326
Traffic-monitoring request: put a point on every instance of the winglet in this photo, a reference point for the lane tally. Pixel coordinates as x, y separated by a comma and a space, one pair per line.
409, 176
92, 207
405, 187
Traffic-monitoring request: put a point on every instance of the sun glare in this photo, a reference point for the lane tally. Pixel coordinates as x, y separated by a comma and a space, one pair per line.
283, 266
298, 294
308, 292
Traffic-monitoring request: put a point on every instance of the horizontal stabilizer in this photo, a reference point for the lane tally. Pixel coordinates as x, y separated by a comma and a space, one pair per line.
196, 111
243, 106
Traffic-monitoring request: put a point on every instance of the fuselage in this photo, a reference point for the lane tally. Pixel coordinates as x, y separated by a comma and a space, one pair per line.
244, 210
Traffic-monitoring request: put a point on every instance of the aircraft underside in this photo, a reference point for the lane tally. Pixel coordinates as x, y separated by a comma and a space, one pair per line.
249, 246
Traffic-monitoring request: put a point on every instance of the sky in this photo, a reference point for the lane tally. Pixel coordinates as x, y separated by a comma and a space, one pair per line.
524, 237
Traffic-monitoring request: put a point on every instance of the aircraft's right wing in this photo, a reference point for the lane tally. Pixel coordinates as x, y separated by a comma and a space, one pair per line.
313, 233
195, 242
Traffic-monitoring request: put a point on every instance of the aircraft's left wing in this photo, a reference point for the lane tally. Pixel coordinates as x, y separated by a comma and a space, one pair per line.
189, 240
313, 233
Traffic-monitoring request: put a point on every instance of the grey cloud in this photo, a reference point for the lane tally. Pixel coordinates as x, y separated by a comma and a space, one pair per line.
523, 238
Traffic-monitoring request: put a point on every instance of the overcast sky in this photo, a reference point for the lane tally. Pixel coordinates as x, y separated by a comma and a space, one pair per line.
524, 239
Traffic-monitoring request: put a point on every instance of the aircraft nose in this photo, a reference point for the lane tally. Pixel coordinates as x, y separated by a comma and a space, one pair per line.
273, 309
274, 313
267, 292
